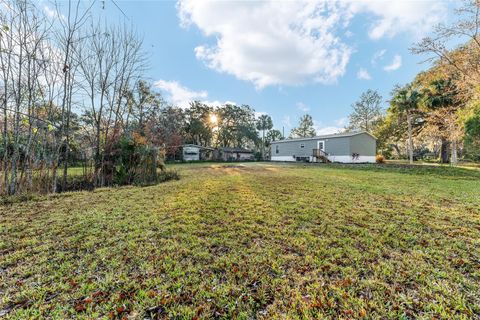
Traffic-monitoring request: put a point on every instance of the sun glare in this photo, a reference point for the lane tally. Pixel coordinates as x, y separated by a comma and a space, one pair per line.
213, 119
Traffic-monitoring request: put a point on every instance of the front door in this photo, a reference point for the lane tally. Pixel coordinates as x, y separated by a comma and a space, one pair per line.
321, 145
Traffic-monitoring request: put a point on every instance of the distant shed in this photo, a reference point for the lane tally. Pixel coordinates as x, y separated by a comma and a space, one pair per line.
234, 154
193, 152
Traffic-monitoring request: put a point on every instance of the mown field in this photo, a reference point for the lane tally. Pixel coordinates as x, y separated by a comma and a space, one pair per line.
247, 241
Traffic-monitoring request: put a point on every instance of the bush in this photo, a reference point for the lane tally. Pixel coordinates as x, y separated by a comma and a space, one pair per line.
167, 175
380, 158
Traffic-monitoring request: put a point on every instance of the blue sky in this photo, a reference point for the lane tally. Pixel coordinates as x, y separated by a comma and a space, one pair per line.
283, 58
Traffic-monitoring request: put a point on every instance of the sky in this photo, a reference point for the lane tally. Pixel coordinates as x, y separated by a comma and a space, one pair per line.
283, 58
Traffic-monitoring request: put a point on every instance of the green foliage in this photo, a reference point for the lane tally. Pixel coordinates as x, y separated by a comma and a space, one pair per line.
133, 162
264, 123
440, 93
366, 112
406, 99
250, 241
390, 132
305, 128
236, 126
472, 136
167, 175
198, 127
273, 135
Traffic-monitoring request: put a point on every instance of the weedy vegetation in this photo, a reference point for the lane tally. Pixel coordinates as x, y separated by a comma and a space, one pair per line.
265, 241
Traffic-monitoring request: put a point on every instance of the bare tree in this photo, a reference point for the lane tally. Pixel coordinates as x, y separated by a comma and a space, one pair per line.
111, 61
23, 39
68, 37
48, 67
463, 60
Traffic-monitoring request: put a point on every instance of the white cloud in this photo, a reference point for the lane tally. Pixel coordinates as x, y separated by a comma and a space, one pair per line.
341, 122
302, 107
217, 103
259, 113
363, 74
396, 63
181, 96
53, 13
378, 56
295, 42
322, 129
178, 94
328, 130
390, 18
49, 12
271, 42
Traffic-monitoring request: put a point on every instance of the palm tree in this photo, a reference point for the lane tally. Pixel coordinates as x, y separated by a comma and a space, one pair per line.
407, 100
440, 95
264, 122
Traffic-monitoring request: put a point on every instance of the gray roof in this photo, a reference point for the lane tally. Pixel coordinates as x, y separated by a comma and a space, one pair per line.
197, 146
241, 150
327, 136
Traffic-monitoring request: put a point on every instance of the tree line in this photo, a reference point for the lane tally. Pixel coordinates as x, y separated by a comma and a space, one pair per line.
74, 93
437, 115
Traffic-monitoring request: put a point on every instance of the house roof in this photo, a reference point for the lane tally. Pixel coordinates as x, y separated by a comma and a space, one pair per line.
227, 149
327, 136
197, 146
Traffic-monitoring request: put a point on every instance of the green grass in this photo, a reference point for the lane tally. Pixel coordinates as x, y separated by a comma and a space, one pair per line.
251, 241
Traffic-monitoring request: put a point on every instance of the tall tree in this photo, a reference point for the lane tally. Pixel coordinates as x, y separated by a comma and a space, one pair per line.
406, 100
441, 106
390, 133
461, 60
366, 111
198, 127
236, 126
472, 133
67, 40
305, 128
111, 61
264, 123
273, 135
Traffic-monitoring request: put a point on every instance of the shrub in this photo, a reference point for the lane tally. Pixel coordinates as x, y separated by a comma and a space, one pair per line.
167, 175
380, 158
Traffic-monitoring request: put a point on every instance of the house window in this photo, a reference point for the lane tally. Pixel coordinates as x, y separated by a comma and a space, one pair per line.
276, 149
302, 145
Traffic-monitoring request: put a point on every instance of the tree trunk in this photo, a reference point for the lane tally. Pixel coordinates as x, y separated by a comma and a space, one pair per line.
454, 158
263, 145
410, 141
444, 157
397, 150
5, 144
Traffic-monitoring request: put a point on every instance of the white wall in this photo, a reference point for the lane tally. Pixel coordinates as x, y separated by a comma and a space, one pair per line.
283, 158
341, 159
348, 159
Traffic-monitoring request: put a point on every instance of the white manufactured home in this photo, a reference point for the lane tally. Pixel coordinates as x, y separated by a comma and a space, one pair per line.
349, 147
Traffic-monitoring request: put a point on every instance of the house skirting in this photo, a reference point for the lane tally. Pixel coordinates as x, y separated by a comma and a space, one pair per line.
348, 159
341, 159
283, 158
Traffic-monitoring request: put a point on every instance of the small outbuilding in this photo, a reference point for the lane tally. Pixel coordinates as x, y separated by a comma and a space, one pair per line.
193, 152
348, 147
234, 154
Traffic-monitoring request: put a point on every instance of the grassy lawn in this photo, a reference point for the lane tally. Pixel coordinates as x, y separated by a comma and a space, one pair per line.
251, 241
